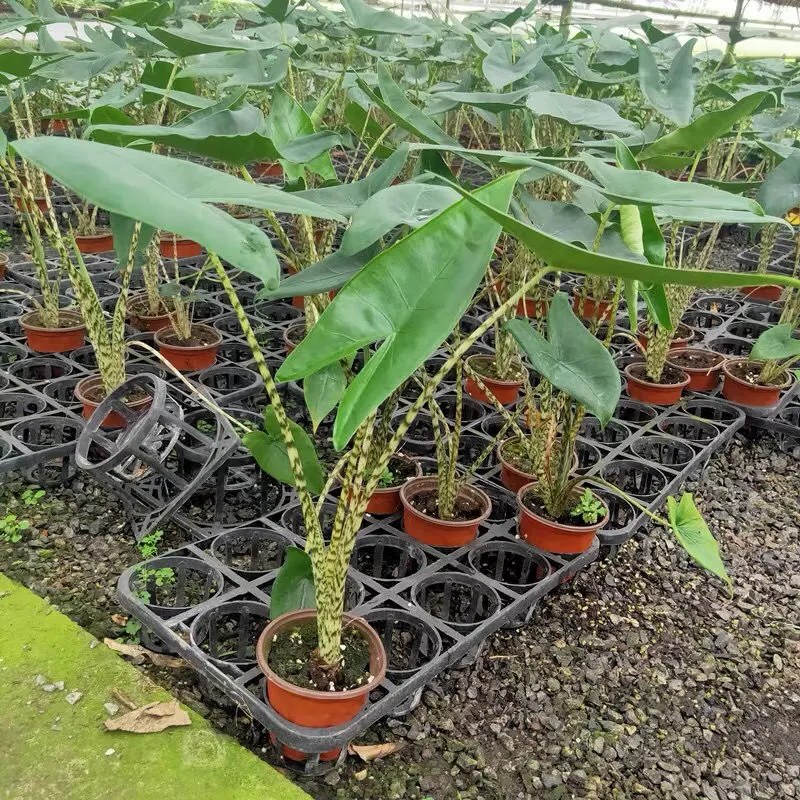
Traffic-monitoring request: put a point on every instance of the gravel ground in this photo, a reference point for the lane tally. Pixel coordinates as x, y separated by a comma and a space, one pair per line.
640, 679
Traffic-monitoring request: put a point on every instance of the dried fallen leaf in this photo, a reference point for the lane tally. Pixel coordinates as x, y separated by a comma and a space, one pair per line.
124, 699
138, 654
152, 718
369, 752
119, 619
360, 776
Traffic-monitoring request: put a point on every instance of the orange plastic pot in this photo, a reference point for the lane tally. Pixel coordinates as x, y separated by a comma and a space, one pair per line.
592, 309
701, 379
93, 385
514, 478
53, 125
387, 501
505, 392
177, 247
660, 394
288, 334
96, 243
21, 205
145, 322
750, 394
267, 169
440, 532
528, 307
54, 340
553, 536
191, 358
309, 707
769, 293
677, 342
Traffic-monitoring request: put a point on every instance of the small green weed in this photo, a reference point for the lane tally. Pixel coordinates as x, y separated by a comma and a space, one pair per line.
12, 527
589, 508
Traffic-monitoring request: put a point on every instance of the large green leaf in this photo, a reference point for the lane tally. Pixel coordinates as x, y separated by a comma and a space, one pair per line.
287, 125
673, 96
579, 111
707, 127
693, 534
366, 20
409, 297
171, 194
410, 204
293, 588
780, 190
488, 101
776, 344
403, 112
269, 450
571, 358
499, 68
562, 255
192, 39
323, 390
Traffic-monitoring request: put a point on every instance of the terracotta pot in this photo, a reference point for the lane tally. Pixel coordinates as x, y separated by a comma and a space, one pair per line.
440, 532
54, 340
309, 707
504, 391
513, 477
91, 385
178, 247
142, 321
267, 169
555, 537
21, 205
750, 394
529, 307
95, 243
677, 342
592, 308
769, 293
701, 379
660, 394
3, 264
188, 358
387, 501
53, 125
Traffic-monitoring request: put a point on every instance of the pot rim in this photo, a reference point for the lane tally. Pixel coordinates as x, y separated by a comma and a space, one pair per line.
178, 238
402, 457
573, 529
92, 379
132, 311
189, 349
25, 323
105, 233
721, 359
495, 381
642, 382
729, 362
376, 653
504, 461
427, 482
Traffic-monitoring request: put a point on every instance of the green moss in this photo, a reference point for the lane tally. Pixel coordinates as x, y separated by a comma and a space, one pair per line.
53, 749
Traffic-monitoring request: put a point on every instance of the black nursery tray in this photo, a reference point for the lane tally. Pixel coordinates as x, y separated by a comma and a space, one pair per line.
433, 609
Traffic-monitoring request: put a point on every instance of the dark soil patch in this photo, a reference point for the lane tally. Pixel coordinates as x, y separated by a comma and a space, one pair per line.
534, 503
750, 372
695, 359
486, 367
200, 337
465, 509
515, 452
293, 657
399, 471
669, 376
96, 394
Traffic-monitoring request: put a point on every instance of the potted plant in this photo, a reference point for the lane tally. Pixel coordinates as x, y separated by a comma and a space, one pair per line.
703, 367
444, 510
760, 379
150, 310
186, 345
89, 236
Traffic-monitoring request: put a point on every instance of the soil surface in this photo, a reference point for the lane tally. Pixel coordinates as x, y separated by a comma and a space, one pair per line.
200, 337
639, 679
750, 372
533, 503
397, 473
669, 376
696, 359
487, 368
464, 510
293, 657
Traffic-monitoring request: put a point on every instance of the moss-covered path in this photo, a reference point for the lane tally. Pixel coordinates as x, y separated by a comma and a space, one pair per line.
51, 748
